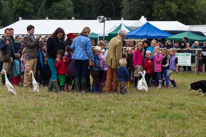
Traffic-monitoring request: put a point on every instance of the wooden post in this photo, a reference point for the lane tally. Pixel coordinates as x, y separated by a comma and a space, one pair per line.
196, 61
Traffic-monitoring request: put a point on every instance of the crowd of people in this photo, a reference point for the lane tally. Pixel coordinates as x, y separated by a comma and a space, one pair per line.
58, 64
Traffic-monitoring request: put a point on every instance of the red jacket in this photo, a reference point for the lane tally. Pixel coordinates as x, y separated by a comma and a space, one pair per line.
148, 65
61, 66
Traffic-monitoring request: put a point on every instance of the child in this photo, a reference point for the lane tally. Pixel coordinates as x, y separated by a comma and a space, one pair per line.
40, 67
165, 63
123, 75
173, 66
46, 72
23, 64
44, 48
96, 69
158, 65
16, 73
104, 75
70, 75
138, 61
60, 64
201, 61
148, 67
130, 66
103, 51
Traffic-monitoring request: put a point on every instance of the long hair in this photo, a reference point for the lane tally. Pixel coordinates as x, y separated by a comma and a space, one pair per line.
85, 30
57, 31
140, 43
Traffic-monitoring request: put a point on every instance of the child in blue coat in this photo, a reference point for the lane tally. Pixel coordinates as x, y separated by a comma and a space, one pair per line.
123, 76
16, 70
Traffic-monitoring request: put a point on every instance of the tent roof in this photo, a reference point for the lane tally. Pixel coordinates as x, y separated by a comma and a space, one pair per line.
115, 31
147, 31
93, 35
191, 36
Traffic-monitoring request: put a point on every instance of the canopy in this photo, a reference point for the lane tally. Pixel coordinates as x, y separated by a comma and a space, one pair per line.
114, 31
93, 35
147, 31
191, 37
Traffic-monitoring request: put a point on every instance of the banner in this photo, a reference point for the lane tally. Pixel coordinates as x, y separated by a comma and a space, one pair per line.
184, 59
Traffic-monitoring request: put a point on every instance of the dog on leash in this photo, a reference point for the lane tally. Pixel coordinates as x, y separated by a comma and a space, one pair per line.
199, 85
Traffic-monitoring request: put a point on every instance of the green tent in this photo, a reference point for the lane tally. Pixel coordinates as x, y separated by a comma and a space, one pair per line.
115, 31
191, 37
93, 35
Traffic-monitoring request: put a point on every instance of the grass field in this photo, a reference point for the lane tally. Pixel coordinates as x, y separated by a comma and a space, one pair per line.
163, 112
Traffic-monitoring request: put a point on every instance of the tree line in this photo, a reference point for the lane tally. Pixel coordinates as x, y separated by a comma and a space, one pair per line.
189, 12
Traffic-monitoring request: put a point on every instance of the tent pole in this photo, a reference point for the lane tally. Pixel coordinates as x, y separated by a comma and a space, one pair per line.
104, 32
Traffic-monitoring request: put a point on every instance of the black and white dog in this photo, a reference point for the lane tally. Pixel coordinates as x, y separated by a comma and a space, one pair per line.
200, 86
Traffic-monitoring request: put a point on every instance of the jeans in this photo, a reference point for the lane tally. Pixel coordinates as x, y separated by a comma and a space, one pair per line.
158, 74
164, 70
82, 68
52, 68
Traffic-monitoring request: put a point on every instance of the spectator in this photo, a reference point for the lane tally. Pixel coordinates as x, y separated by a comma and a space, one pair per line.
185, 41
160, 45
32, 45
176, 45
7, 51
128, 44
112, 60
70, 39
146, 44
42, 42
17, 43
168, 44
82, 53
151, 48
12, 33
195, 45
55, 42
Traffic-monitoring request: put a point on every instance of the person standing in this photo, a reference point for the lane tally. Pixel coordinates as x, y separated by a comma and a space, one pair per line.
185, 41
54, 43
32, 45
6, 53
70, 39
11, 36
17, 43
112, 61
82, 53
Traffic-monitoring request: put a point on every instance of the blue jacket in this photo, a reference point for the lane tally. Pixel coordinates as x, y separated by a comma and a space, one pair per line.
3, 46
79, 53
16, 68
150, 49
97, 66
122, 73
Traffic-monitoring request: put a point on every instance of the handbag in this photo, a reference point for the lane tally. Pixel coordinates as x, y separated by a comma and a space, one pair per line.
90, 61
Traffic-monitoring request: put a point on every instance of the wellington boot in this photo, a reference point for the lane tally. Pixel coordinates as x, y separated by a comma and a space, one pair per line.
50, 86
3, 79
84, 85
55, 86
66, 87
135, 82
76, 85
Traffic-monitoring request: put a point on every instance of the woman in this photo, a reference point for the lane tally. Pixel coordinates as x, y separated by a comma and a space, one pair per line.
55, 42
168, 44
17, 43
70, 39
81, 58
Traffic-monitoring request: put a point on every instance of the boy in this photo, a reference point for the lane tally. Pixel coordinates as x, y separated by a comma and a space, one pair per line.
173, 66
16, 71
148, 67
123, 75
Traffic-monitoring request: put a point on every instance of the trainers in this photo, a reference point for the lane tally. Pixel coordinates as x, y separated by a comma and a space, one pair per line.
123, 93
168, 86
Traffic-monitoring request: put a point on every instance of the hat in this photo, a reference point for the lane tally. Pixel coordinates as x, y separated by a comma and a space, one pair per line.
70, 36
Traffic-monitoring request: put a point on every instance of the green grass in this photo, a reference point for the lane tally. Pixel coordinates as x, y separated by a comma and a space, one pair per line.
164, 112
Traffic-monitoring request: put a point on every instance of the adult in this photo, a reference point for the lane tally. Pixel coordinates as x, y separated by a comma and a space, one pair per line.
196, 45
185, 41
55, 42
112, 60
6, 53
80, 45
168, 44
176, 45
11, 35
204, 48
17, 43
42, 42
70, 39
32, 46
151, 48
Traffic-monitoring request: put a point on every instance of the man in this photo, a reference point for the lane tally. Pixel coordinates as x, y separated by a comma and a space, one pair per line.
113, 56
195, 45
6, 53
12, 33
32, 45
185, 41
151, 48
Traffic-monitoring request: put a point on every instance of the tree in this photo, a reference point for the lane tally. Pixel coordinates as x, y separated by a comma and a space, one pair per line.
136, 8
181, 10
6, 15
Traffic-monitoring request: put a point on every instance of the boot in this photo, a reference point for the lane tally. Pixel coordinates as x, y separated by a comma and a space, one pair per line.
135, 81
148, 83
76, 85
66, 87
173, 83
95, 89
163, 83
84, 85
160, 84
62, 88
55, 86
3, 79
50, 87
92, 89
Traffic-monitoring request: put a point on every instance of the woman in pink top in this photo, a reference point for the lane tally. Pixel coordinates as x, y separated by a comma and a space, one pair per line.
158, 65
138, 60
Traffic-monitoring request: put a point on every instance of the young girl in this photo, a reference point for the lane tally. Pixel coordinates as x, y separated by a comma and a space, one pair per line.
138, 60
173, 66
70, 75
104, 75
201, 61
130, 66
96, 69
16, 73
157, 65
23, 64
60, 64
165, 63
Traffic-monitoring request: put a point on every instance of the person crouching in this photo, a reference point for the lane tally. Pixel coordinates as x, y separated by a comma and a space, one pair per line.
123, 76
60, 64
